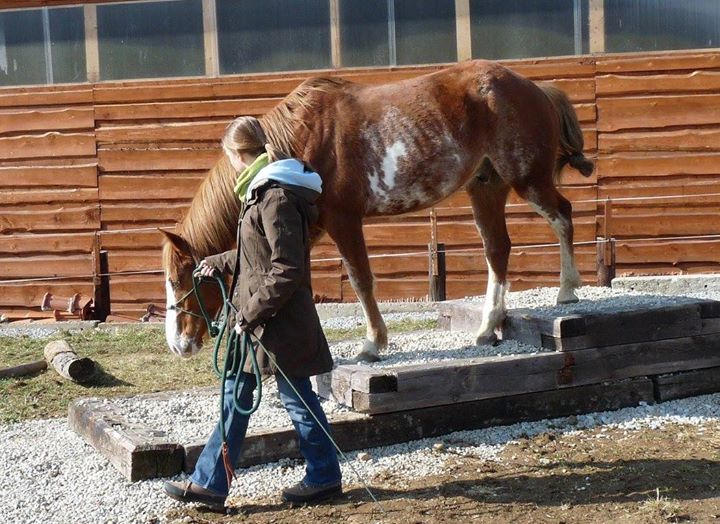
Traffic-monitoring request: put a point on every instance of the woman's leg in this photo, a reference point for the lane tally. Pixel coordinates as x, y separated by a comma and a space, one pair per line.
210, 471
322, 467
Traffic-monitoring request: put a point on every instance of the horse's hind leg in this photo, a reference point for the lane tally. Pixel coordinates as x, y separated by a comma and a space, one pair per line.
488, 196
557, 210
349, 238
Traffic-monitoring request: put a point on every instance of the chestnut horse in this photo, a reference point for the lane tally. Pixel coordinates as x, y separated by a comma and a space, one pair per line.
395, 148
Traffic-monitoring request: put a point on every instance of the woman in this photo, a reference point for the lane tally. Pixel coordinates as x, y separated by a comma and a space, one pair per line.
274, 300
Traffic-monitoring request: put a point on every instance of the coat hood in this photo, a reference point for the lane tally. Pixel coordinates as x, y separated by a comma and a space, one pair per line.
289, 172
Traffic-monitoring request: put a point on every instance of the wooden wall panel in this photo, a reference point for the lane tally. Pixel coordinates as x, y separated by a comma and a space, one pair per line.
659, 139
114, 160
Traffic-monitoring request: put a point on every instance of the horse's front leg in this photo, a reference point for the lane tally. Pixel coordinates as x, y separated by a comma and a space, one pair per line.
348, 235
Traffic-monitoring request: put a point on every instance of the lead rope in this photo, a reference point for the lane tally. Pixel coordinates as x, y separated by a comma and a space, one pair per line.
246, 347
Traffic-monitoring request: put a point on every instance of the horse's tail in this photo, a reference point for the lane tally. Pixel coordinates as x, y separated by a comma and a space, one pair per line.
571, 137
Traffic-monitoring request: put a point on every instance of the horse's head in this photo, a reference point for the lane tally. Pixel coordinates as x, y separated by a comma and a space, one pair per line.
185, 326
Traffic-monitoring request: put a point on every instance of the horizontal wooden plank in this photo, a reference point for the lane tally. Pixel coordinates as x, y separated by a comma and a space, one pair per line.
687, 384
46, 96
47, 243
577, 89
669, 61
119, 240
185, 110
156, 212
141, 260
51, 144
696, 81
689, 186
647, 225
47, 196
669, 252
148, 187
652, 112
46, 266
691, 139
159, 133
658, 164
543, 69
47, 120
31, 294
157, 159
143, 289
48, 218
84, 175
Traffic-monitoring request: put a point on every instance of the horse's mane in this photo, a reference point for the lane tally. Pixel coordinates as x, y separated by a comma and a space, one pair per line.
283, 123
209, 224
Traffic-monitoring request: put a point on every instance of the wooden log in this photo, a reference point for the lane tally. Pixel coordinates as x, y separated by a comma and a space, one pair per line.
23, 369
444, 383
687, 384
63, 358
136, 450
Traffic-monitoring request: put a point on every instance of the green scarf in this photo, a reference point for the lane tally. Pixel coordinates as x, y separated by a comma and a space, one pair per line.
244, 178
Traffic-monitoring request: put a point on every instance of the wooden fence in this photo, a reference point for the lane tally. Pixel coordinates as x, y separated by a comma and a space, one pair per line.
94, 167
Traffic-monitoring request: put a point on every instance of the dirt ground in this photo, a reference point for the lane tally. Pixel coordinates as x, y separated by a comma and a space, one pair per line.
598, 476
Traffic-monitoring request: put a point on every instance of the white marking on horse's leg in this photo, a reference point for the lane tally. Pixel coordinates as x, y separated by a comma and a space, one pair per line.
569, 275
493, 309
171, 332
376, 334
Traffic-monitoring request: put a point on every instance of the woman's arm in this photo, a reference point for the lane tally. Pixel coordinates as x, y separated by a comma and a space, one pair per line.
283, 224
224, 262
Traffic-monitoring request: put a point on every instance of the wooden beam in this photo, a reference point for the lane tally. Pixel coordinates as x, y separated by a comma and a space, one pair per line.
212, 58
597, 26
335, 34
463, 30
92, 50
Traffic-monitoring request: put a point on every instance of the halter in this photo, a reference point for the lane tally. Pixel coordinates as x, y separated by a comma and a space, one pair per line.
213, 324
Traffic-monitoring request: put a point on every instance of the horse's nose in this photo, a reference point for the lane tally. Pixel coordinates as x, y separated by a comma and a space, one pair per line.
186, 347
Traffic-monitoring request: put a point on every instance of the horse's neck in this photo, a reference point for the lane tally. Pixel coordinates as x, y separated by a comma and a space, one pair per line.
210, 224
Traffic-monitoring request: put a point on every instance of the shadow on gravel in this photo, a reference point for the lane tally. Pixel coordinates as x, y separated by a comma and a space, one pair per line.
557, 486
616, 481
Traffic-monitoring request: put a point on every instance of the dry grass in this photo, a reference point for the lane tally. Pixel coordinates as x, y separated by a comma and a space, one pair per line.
131, 361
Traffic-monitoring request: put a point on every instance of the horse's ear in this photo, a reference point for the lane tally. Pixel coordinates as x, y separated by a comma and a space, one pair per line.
179, 243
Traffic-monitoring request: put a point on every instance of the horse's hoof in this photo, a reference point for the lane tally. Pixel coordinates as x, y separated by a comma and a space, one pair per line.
366, 356
568, 299
486, 340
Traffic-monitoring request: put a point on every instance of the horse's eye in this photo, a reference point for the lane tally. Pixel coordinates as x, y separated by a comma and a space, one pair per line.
174, 284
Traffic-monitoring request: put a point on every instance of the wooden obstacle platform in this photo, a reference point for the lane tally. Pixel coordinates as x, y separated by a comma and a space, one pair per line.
584, 363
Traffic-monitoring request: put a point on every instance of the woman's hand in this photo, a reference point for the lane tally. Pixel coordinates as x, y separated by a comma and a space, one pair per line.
206, 269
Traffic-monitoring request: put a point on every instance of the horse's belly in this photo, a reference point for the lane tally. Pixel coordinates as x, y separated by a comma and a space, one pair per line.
409, 166
402, 184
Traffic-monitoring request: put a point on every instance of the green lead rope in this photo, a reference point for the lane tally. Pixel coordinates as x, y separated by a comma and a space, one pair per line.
237, 350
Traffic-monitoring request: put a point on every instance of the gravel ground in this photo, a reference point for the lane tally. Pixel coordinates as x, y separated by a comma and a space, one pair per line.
51, 475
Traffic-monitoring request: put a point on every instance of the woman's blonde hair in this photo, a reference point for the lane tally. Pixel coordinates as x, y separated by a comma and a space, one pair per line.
246, 135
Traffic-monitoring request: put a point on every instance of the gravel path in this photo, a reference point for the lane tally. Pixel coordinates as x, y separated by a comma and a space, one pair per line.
52, 476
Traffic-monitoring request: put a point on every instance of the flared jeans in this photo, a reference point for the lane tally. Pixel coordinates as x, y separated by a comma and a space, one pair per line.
322, 467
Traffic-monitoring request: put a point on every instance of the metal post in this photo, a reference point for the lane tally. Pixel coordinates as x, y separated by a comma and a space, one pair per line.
48, 47
578, 26
392, 44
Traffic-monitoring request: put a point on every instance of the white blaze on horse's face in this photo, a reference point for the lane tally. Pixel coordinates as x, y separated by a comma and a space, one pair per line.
177, 341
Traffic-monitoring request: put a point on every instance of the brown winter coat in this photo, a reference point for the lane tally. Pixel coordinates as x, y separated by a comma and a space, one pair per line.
273, 292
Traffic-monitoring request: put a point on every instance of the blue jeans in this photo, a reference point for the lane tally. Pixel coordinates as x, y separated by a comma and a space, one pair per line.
322, 467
